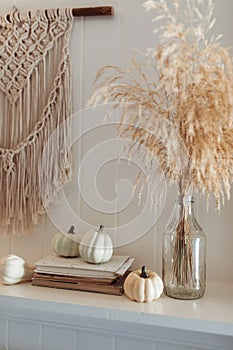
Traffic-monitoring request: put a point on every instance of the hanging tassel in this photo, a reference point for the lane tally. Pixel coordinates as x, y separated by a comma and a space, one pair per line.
35, 154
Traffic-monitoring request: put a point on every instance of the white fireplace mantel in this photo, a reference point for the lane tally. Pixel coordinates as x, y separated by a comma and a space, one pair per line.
39, 318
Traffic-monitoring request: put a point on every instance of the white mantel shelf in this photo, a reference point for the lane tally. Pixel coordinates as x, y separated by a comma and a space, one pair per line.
213, 314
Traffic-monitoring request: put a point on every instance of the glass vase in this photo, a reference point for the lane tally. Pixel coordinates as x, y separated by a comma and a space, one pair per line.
184, 253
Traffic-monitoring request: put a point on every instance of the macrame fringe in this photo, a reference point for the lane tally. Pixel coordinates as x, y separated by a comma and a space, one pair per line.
35, 152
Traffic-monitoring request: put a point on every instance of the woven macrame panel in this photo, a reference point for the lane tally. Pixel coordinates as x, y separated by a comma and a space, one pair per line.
35, 106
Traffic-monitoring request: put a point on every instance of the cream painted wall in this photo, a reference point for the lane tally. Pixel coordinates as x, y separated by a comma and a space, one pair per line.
96, 42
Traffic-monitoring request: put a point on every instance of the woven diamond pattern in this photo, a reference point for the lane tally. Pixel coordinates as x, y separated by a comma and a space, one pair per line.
22, 46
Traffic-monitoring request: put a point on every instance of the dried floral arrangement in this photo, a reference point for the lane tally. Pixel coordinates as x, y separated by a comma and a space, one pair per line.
176, 106
176, 101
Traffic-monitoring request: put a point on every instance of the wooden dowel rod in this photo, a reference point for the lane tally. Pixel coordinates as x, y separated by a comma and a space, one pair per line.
93, 11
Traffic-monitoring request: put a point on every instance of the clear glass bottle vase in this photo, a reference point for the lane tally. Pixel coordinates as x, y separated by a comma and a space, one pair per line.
184, 253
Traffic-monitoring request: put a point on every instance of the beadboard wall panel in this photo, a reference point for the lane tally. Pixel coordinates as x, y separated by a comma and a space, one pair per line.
24, 333
96, 42
87, 339
57, 337
123, 342
3, 331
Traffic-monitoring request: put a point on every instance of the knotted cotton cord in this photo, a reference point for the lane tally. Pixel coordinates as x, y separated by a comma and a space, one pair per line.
35, 102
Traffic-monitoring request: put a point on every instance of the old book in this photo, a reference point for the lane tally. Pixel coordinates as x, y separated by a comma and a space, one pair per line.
76, 279
53, 264
116, 288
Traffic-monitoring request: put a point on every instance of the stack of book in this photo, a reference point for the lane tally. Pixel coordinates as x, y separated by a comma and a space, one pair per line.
77, 274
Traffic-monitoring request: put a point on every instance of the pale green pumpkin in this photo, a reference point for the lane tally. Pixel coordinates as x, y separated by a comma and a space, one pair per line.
66, 244
96, 246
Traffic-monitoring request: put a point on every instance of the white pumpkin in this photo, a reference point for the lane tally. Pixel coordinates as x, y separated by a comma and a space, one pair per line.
96, 246
143, 286
14, 269
66, 244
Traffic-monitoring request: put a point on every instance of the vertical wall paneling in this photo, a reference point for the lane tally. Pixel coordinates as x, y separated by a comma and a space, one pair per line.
169, 346
76, 47
5, 244
79, 108
3, 331
40, 337
23, 335
123, 342
91, 340
98, 173
57, 337
118, 45
136, 237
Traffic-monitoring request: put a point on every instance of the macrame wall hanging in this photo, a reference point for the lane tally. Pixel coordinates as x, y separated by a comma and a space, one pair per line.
35, 98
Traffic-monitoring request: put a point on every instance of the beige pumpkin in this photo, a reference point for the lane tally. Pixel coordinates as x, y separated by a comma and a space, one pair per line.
143, 286
96, 246
66, 244
14, 269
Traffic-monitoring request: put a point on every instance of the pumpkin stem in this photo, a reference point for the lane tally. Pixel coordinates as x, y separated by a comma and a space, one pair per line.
101, 228
71, 230
144, 274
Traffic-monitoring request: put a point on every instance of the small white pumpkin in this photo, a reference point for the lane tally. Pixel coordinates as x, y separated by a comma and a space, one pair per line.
96, 246
143, 286
66, 244
14, 269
